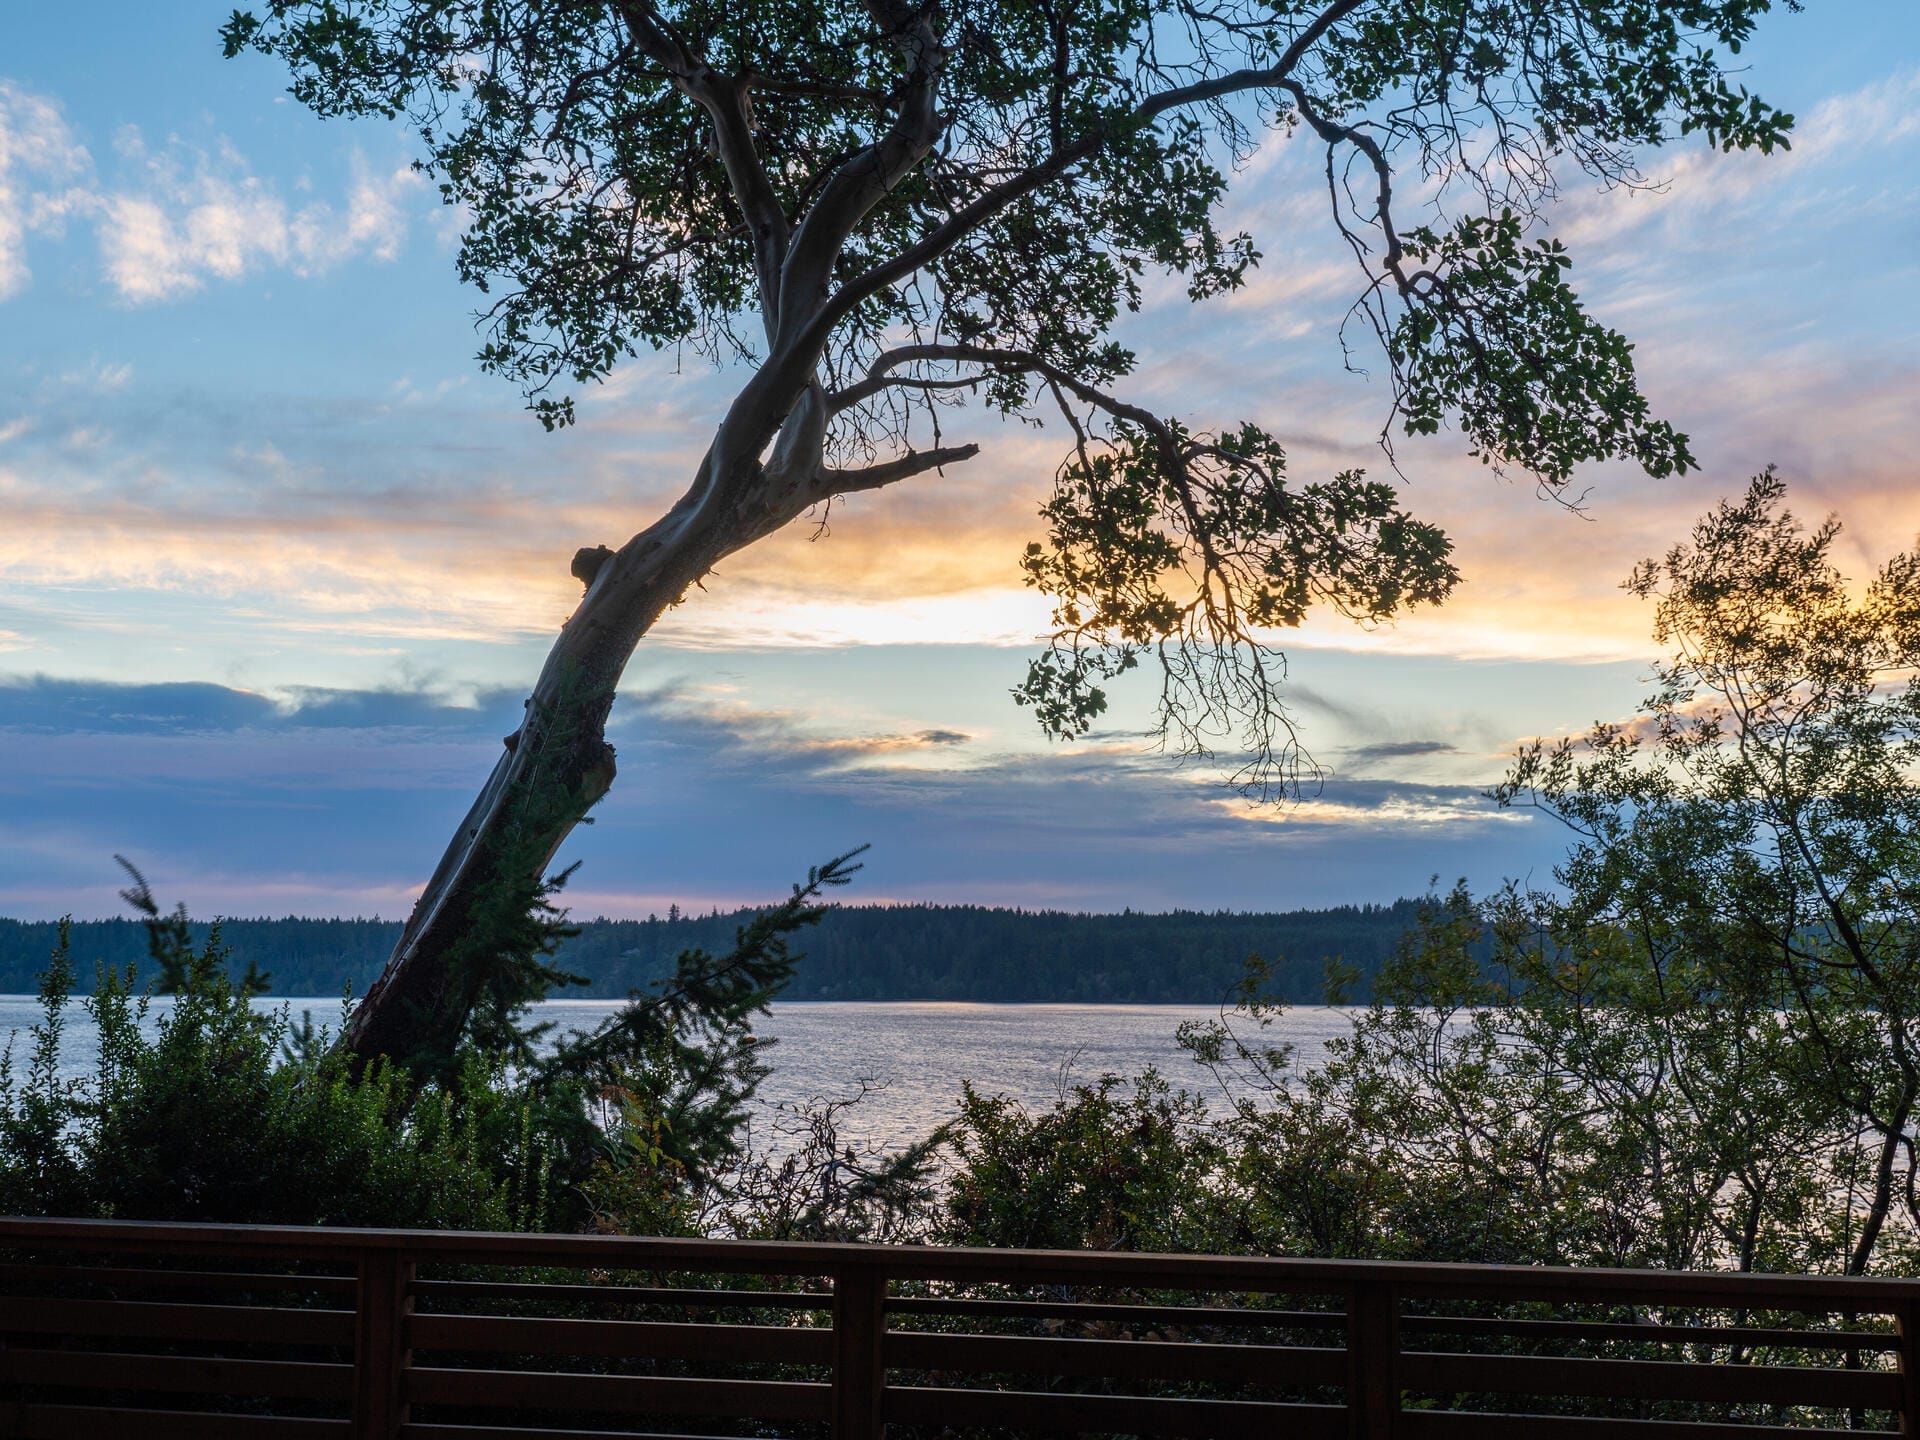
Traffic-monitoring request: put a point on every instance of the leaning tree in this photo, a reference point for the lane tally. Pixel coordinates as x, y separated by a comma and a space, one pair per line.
875, 212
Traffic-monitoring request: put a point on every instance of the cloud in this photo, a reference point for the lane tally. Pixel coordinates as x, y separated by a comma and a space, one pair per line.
43, 704
1308, 697
193, 215
329, 801
40, 704
1399, 750
455, 520
425, 515
738, 727
1699, 195
39, 155
1352, 806
172, 218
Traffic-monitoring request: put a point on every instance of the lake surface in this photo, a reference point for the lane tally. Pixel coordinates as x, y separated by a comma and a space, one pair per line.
918, 1052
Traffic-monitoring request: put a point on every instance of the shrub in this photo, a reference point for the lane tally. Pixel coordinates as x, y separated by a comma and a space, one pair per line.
224, 1115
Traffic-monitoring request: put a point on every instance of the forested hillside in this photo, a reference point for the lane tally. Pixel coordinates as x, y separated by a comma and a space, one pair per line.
863, 952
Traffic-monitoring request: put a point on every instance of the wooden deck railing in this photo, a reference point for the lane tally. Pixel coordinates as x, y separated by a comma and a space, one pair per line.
146, 1330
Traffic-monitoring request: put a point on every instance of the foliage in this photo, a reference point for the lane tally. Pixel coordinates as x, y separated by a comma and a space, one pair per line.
1756, 835
1506, 1099
208, 1120
38, 1164
1527, 1093
1155, 532
677, 1066
797, 1177
234, 1113
501, 965
1535, 379
1697, 1052
1114, 1165
170, 942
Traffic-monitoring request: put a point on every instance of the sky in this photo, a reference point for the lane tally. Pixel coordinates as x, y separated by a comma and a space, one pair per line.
277, 562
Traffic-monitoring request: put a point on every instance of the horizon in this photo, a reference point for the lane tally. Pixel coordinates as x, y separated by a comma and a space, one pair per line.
726, 914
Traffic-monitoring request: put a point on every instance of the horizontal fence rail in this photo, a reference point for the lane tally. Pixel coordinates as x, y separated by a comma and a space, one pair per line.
155, 1330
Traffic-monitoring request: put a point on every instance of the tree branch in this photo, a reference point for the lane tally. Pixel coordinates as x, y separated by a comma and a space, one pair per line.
796, 495
860, 181
816, 89
1016, 188
879, 376
1173, 453
1334, 133
725, 100
873, 477
846, 399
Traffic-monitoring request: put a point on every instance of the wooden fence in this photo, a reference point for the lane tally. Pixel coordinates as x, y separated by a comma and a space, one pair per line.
149, 1330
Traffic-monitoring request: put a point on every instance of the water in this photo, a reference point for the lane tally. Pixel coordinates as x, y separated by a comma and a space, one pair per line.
917, 1053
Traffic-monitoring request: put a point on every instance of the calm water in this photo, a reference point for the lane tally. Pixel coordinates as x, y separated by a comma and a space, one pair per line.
918, 1052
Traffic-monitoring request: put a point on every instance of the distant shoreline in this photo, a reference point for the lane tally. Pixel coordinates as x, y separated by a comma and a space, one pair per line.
873, 953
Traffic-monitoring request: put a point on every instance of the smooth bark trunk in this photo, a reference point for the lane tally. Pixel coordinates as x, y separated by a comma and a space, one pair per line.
766, 466
551, 771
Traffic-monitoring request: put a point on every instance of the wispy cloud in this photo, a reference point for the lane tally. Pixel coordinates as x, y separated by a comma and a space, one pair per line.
170, 218
193, 215
1698, 196
1399, 750
40, 159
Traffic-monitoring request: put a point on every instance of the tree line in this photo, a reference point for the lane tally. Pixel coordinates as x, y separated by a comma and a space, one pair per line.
858, 952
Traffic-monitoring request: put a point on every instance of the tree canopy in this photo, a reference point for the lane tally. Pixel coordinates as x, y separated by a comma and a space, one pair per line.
1751, 839
880, 211
1698, 1048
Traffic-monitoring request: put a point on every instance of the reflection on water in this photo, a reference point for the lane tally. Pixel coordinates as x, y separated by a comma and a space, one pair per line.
919, 1051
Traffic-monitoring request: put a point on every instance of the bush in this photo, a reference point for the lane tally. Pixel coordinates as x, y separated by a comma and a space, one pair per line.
230, 1114
1107, 1168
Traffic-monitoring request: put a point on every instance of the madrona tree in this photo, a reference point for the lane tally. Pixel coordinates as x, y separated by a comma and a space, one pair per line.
874, 213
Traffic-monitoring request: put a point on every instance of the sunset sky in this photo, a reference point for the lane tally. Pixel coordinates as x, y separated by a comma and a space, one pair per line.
277, 563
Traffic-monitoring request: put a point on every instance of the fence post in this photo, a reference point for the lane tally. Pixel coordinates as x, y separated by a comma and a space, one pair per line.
381, 1303
1906, 1329
859, 1331
1373, 1354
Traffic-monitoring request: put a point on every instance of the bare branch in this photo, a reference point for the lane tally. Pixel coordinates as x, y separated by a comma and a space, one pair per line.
817, 89
905, 467
1334, 133
879, 377
854, 394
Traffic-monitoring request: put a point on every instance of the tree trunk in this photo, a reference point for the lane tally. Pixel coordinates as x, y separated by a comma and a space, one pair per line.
558, 764
1883, 1177
552, 771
